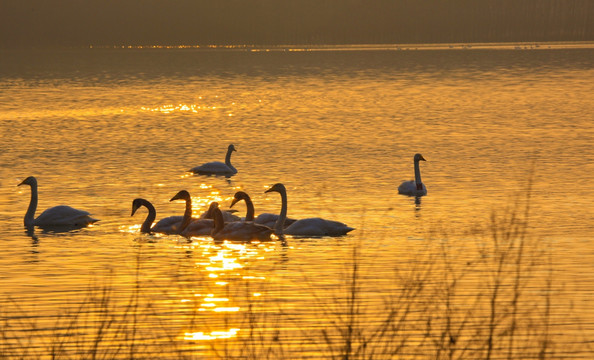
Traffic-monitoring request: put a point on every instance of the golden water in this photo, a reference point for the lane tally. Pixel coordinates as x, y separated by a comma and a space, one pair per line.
100, 127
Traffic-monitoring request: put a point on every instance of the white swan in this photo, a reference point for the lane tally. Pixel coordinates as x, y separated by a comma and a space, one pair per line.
150, 217
57, 216
217, 167
265, 219
238, 230
305, 227
414, 187
166, 225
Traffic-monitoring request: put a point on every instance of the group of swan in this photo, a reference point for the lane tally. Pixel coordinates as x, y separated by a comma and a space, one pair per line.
411, 188
214, 222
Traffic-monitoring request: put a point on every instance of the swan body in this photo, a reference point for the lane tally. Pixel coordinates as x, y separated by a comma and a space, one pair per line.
199, 227
414, 187
265, 219
305, 227
217, 167
57, 216
238, 230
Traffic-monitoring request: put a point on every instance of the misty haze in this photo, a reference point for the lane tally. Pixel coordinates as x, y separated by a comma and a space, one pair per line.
304, 22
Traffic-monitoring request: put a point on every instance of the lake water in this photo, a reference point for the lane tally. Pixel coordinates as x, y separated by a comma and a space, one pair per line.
339, 127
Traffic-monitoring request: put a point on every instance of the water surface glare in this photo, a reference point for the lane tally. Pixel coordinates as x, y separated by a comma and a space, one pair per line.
339, 127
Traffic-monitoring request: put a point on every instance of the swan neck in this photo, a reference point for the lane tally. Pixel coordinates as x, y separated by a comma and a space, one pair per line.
228, 158
280, 222
150, 218
30, 215
187, 215
417, 173
249, 216
219, 222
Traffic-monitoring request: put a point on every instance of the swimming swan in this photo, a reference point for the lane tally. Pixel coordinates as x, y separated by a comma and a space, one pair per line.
57, 216
175, 224
217, 167
162, 226
305, 227
265, 219
414, 187
150, 217
238, 230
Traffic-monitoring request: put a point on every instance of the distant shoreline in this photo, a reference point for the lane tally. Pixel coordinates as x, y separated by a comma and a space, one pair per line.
335, 47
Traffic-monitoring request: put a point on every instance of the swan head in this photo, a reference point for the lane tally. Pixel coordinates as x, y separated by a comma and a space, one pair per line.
419, 157
31, 181
211, 209
182, 195
136, 204
240, 195
231, 148
278, 187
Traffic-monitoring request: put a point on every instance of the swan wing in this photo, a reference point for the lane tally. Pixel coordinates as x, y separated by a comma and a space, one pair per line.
227, 215
64, 215
198, 227
168, 225
213, 168
269, 220
244, 231
317, 227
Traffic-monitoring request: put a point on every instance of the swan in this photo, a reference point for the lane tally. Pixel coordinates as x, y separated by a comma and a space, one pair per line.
238, 230
305, 227
57, 216
414, 187
171, 224
150, 218
217, 167
202, 226
164, 225
265, 219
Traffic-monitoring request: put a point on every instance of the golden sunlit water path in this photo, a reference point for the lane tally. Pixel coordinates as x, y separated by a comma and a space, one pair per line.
100, 127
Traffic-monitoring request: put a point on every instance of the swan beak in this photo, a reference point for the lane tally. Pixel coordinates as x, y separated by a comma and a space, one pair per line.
422, 158
233, 202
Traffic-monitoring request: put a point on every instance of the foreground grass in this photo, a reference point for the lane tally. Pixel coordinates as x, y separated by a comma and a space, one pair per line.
492, 300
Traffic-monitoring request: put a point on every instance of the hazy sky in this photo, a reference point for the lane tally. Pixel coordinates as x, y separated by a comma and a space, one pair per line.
192, 22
